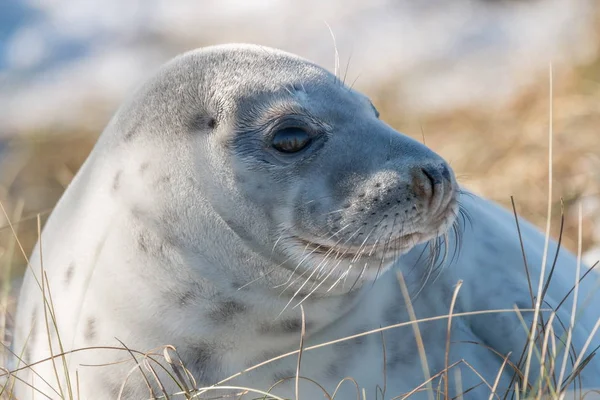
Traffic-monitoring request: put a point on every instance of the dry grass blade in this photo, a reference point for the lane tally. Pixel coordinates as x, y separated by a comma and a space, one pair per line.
19, 357
580, 359
77, 383
417, 332
33, 388
483, 380
149, 367
6, 256
496, 352
46, 306
302, 333
538, 300
139, 367
544, 351
469, 389
6, 274
14, 232
558, 247
17, 222
366, 333
497, 381
340, 383
384, 359
575, 299
60, 345
423, 386
177, 370
448, 334
514, 208
325, 393
458, 384
240, 388
585, 274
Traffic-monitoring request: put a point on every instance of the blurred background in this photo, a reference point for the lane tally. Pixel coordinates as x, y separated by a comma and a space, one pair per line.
469, 77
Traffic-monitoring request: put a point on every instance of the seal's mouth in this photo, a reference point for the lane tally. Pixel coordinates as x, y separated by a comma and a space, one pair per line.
389, 248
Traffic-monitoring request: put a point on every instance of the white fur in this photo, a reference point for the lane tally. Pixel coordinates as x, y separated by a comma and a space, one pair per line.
154, 226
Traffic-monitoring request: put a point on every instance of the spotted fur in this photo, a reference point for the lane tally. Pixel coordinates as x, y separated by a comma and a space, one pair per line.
69, 274
189, 228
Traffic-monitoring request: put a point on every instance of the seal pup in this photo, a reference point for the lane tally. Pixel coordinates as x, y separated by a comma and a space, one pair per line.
238, 184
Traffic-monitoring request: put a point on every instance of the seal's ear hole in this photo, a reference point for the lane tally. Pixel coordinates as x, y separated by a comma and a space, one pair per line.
202, 122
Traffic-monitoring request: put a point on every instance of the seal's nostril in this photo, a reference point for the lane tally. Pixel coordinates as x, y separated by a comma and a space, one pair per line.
426, 181
430, 176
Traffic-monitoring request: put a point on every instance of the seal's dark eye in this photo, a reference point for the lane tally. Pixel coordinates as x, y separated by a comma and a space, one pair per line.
291, 140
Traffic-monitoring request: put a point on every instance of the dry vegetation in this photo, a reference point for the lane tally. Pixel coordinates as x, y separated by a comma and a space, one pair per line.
504, 152
497, 153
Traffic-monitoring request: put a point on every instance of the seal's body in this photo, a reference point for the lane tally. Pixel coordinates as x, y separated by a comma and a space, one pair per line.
240, 184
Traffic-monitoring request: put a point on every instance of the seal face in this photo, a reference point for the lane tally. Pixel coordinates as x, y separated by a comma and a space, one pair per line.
237, 184
343, 193
340, 193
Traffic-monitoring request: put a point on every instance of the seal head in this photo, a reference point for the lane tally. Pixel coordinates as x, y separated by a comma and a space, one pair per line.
237, 179
298, 165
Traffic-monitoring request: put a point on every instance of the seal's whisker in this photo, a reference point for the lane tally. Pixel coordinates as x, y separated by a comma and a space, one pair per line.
317, 247
361, 248
324, 261
428, 270
354, 81
360, 275
442, 242
331, 271
437, 263
322, 268
336, 55
264, 274
330, 249
293, 272
296, 293
418, 261
341, 256
465, 213
357, 258
440, 267
385, 249
280, 265
275, 244
341, 277
347, 68
316, 269
427, 275
334, 212
458, 236
291, 92
466, 193
354, 259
